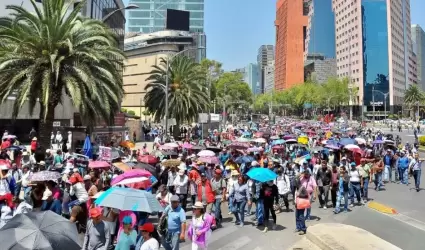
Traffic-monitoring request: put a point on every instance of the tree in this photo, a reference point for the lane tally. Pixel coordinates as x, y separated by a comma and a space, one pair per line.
413, 97
51, 52
213, 70
232, 90
187, 94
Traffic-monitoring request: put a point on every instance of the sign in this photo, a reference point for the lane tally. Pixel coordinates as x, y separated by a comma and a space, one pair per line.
56, 124
377, 103
215, 117
105, 153
203, 118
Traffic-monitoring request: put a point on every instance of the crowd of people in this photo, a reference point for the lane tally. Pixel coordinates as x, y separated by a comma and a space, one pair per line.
310, 160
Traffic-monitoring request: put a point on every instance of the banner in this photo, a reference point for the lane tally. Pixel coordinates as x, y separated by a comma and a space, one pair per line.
105, 153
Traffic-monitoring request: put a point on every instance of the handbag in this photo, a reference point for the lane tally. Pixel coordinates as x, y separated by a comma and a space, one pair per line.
303, 203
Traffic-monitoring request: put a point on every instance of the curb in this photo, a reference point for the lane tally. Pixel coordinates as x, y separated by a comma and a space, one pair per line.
381, 208
421, 150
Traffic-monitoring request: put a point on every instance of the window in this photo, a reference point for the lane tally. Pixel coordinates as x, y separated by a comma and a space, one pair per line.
136, 13
194, 6
139, 22
143, 6
196, 14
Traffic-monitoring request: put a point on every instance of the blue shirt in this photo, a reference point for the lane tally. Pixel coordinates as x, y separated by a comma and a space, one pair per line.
387, 160
125, 241
403, 162
175, 218
54, 206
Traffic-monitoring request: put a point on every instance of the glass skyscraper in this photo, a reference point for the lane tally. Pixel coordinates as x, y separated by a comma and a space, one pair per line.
151, 14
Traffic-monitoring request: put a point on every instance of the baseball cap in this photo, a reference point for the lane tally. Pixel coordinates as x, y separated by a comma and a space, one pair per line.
47, 193
174, 198
95, 212
148, 227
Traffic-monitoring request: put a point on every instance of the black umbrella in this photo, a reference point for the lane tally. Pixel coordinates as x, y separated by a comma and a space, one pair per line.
214, 149
39, 231
147, 167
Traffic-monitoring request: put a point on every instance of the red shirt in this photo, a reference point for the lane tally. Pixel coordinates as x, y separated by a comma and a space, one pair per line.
33, 145
5, 144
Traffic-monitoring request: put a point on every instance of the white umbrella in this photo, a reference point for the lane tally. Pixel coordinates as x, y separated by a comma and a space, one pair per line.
360, 140
206, 153
171, 145
352, 146
260, 140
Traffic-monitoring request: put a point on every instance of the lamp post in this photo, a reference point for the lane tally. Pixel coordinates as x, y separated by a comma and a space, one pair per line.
328, 101
385, 100
128, 7
170, 58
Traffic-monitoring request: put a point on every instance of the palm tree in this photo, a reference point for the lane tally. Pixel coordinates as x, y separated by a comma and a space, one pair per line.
413, 96
52, 52
187, 96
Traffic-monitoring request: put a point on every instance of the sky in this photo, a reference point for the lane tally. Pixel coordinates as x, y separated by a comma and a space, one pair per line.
235, 29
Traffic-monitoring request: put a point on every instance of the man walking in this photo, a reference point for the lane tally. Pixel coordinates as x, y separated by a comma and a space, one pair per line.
98, 234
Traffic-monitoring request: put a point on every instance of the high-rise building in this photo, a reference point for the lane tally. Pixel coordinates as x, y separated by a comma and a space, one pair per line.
320, 47
250, 76
265, 56
269, 78
418, 39
373, 49
291, 31
151, 14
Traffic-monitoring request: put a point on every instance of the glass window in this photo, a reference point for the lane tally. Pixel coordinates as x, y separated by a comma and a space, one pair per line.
196, 14
194, 6
196, 22
139, 22
159, 22
136, 13
144, 6
133, 29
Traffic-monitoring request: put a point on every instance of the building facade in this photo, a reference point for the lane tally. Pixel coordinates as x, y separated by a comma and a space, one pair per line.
250, 76
265, 56
373, 47
291, 31
318, 68
269, 78
144, 51
418, 41
151, 14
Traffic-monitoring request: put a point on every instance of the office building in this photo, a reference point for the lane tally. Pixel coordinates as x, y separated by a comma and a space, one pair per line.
318, 68
269, 78
418, 40
373, 49
250, 76
151, 14
144, 51
265, 56
291, 31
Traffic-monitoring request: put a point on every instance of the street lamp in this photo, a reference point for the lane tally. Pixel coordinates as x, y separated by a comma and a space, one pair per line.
169, 59
128, 7
385, 100
328, 101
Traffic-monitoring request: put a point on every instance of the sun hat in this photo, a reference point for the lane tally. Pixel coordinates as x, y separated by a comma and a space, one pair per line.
198, 204
95, 212
181, 172
148, 227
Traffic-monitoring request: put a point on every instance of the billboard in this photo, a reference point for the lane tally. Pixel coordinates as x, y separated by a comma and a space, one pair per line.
177, 20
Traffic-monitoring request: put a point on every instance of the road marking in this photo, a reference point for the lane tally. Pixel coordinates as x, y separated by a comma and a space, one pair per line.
400, 217
216, 235
236, 244
381, 207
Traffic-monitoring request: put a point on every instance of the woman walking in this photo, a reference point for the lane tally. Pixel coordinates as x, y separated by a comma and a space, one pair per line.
302, 202
241, 196
200, 230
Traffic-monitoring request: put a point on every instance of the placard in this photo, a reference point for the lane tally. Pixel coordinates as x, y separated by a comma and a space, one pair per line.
105, 153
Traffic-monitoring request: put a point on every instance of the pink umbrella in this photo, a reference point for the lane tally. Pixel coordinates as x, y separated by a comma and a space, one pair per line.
354, 148
165, 147
99, 164
187, 145
131, 174
209, 160
206, 153
255, 149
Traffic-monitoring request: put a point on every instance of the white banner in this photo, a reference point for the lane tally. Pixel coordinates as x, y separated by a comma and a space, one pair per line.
105, 153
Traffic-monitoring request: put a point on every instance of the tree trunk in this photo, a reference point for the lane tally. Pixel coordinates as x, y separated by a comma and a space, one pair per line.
45, 126
176, 131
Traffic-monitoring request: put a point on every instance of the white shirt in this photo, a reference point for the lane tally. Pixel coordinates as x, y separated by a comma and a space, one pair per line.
151, 244
4, 186
180, 183
166, 198
6, 215
80, 191
283, 184
354, 175
25, 177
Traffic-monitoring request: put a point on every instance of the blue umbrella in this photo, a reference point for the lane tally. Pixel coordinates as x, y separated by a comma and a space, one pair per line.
262, 174
87, 148
129, 199
347, 141
278, 142
244, 159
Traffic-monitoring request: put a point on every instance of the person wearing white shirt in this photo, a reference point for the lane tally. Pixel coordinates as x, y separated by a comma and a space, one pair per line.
284, 187
149, 241
181, 187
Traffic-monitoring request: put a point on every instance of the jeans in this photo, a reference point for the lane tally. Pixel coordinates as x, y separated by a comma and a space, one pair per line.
300, 220
365, 188
324, 191
284, 198
259, 211
171, 241
417, 176
378, 181
388, 173
268, 209
239, 211
308, 213
217, 210
17, 189
338, 201
403, 175
72, 204
355, 190
334, 191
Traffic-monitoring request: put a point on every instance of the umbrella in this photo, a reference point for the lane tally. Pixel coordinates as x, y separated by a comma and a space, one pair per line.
209, 160
206, 153
15, 148
354, 148
122, 166
5, 163
145, 166
288, 137
172, 163
255, 149
129, 199
275, 137
317, 148
291, 141
378, 142
187, 145
9, 137
171, 145
242, 139
198, 147
136, 182
260, 140
45, 176
116, 153
127, 144
278, 142
87, 148
347, 141
244, 159
214, 149
262, 174
332, 146
164, 147
131, 174
99, 164
239, 145
150, 159
360, 140
39, 230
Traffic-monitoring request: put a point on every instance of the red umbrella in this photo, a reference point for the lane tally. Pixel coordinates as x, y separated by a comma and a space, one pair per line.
149, 159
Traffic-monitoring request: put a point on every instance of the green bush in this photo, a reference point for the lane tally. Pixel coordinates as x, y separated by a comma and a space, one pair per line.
131, 112
422, 140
